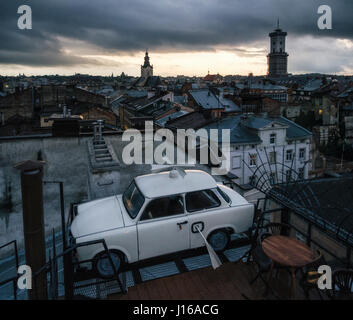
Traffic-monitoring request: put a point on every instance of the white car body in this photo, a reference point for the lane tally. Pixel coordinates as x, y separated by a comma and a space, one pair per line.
140, 239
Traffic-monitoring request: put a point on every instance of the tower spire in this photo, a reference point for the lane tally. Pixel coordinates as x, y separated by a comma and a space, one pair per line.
277, 23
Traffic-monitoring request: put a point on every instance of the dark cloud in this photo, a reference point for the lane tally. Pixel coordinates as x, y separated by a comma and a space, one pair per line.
113, 26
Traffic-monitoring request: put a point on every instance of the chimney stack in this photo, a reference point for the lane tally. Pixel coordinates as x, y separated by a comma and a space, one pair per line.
33, 224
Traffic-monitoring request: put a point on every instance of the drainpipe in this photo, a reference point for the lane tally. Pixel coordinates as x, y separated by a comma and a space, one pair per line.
33, 224
243, 169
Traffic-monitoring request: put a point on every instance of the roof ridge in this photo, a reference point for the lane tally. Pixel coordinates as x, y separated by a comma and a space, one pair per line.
295, 124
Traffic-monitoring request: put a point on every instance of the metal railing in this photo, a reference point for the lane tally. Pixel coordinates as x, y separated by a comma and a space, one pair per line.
13, 279
285, 213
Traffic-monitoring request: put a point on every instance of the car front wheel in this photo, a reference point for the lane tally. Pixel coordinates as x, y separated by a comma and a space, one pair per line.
102, 265
219, 240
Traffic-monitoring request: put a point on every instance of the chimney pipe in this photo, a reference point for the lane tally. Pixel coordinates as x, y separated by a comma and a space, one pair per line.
100, 130
33, 224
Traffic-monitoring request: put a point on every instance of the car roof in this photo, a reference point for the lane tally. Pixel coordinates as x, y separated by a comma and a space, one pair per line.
164, 184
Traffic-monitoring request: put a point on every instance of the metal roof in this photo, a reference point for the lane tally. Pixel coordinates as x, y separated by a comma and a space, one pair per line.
312, 85
229, 105
206, 99
172, 116
294, 130
261, 86
241, 133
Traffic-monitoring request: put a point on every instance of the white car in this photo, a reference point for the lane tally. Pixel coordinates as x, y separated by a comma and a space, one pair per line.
159, 214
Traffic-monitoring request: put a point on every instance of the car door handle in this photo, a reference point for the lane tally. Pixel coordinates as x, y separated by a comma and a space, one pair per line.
181, 223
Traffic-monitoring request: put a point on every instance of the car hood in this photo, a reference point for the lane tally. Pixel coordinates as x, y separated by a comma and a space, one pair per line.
97, 216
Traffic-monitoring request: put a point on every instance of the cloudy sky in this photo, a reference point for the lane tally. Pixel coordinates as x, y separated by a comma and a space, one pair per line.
186, 37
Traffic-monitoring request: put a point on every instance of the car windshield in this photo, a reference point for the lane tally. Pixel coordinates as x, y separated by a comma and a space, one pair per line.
133, 200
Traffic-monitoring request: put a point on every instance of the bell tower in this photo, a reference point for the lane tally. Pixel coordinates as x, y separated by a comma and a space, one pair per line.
277, 59
146, 68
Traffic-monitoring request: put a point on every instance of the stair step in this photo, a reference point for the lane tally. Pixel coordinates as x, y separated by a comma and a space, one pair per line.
103, 159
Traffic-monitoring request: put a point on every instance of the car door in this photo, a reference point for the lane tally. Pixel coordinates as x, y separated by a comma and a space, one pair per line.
202, 207
163, 227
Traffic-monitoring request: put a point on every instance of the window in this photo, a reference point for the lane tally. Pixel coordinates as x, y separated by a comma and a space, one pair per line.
252, 159
289, 155
133, 200
223, 194
236, 162
273, 157
164, 207
272, 138
302, 154
200, 200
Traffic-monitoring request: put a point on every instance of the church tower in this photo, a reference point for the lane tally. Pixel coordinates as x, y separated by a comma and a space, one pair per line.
277, 59
146, 68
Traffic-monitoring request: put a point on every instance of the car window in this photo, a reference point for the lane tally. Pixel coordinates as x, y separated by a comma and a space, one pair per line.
163, 207
223, 194
133, 200
201, 200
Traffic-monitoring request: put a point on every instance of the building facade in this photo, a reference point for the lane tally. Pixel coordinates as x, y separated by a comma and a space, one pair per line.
277, 59
275, 142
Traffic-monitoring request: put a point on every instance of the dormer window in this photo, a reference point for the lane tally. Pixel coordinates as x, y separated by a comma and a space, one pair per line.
273, 138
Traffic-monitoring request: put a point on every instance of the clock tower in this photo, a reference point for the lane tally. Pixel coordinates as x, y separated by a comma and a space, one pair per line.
277, 59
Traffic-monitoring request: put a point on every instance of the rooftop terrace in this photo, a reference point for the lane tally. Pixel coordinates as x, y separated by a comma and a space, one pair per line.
229, 282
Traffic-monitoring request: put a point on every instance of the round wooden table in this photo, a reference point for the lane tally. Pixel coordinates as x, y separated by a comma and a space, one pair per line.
288, 252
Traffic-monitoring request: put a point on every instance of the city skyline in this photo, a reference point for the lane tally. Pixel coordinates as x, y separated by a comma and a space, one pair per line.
183, 38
